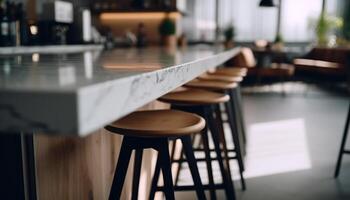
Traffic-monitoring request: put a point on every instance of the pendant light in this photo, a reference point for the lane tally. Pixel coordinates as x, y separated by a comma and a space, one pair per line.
266, 3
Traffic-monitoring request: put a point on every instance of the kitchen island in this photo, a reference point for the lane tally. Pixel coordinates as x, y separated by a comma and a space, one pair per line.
53, 106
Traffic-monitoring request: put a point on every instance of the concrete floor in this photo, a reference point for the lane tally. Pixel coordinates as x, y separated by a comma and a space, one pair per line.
293, 145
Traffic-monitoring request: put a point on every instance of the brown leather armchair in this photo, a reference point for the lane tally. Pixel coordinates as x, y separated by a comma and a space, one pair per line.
247, 60
324, 63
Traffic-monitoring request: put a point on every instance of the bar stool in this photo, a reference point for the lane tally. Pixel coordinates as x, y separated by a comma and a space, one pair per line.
204, 103
343, 150
230, 71
220, 77
221, 73
233, 114
153, 129
232, 75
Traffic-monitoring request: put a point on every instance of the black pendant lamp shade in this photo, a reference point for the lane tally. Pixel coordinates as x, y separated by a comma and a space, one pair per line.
266, 3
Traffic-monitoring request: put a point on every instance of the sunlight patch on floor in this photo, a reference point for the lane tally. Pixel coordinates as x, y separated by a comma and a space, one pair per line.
277, 147
273, 148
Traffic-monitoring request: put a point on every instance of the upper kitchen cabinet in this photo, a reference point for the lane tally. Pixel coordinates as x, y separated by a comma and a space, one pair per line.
134, 5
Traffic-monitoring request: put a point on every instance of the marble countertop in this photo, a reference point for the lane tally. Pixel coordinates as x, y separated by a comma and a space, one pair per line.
49, 49
78, 93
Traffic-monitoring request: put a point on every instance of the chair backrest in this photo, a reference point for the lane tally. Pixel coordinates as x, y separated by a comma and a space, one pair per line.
338, 55
245, 58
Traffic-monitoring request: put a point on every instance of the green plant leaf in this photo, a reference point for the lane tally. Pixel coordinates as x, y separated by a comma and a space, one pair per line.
167, 27
229, 33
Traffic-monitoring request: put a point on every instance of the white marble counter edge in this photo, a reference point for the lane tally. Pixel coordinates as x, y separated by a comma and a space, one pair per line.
49, 49
81, 112
106, 104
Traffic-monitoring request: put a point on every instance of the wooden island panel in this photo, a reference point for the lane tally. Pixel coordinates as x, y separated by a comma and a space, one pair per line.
74, 168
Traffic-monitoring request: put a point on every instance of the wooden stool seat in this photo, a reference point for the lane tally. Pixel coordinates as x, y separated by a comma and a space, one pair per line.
194, 96
276, 70
211, 85
231, 71
158, 123
220, 77
152, 130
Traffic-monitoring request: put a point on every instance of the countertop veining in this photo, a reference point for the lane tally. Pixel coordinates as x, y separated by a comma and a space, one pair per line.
77, 93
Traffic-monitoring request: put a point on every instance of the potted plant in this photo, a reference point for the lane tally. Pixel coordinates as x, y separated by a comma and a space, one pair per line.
325, 25
322, 29
229, 34
167, 30
278, 43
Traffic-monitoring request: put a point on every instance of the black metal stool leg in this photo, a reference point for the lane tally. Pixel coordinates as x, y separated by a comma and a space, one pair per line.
28, 164
225, 149
236, 142
172, 158
238, 103
236, 115
121, 169
187, 147
208, 163
208, 113
165, 164
222, 136
177, 173
342, 146
230, 193
137, 172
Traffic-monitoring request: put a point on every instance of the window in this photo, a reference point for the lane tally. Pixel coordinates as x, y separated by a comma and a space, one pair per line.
252, 22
